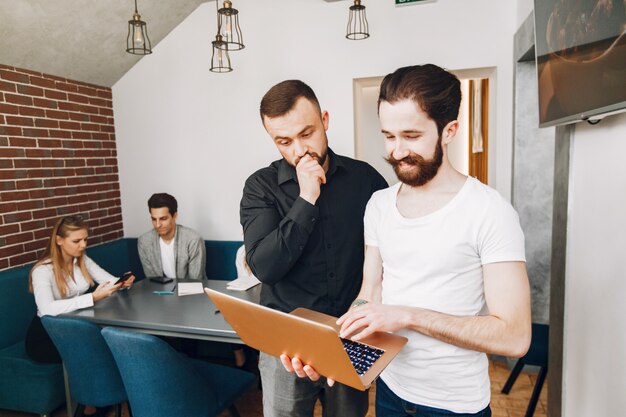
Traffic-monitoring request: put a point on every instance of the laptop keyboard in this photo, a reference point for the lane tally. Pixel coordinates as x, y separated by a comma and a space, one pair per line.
362, 356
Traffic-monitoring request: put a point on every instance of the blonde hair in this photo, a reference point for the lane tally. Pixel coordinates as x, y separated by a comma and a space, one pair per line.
53, 254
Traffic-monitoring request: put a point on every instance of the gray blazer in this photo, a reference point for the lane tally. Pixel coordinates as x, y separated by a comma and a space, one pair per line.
188, 248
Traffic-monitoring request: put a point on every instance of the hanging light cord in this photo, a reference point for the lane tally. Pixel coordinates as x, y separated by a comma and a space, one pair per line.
136, 12
217, 15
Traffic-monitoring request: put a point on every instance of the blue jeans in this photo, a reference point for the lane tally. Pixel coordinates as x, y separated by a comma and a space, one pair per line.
389, 404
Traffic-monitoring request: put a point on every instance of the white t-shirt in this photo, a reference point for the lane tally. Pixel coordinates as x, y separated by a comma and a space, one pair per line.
435, 262
168, 258
47, 295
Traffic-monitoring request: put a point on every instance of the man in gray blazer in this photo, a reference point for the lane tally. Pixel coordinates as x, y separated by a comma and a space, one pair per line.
170, 250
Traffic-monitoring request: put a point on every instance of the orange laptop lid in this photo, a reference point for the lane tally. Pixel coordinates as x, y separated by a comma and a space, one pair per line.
309, 335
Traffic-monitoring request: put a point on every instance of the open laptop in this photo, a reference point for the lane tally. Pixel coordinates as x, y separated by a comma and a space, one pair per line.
311, 336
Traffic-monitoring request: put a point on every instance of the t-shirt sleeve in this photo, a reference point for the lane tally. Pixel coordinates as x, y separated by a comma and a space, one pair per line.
372, 220
501, 238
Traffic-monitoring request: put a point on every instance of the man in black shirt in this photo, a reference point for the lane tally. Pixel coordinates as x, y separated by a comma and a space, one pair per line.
303, 230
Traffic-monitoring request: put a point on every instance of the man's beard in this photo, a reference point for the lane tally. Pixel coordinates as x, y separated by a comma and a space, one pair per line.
321, 159
426, 169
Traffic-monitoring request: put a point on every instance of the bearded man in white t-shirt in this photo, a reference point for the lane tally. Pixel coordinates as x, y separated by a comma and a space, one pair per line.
444, 262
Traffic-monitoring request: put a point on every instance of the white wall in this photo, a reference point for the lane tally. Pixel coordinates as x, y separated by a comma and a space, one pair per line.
196, 134
370, 146
458, 150
524, 8
594, 359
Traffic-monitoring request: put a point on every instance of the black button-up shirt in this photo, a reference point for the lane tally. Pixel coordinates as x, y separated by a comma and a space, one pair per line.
308, 255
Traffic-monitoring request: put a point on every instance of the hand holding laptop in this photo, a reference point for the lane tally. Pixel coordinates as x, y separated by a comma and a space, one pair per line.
347, 328
308, 342
302, 370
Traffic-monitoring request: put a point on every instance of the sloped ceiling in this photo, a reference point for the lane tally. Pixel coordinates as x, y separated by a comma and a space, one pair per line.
83, 40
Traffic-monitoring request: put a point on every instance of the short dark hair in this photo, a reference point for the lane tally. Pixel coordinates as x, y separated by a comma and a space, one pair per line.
159, 200
437, 91
281, 98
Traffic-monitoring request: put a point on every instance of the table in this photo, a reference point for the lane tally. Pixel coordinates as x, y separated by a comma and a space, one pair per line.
190, 316
140, 309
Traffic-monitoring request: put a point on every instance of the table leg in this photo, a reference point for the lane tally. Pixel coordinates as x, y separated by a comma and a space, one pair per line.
68, 396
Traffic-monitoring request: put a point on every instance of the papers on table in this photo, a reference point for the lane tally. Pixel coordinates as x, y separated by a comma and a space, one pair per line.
243, 283
188, 288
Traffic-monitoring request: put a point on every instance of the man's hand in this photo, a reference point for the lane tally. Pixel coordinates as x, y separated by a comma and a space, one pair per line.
302, 370
373, 317
311, 176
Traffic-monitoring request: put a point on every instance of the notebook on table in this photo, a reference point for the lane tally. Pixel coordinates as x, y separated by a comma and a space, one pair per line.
311, 336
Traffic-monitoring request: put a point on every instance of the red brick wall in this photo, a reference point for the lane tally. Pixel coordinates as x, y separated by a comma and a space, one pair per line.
57, 157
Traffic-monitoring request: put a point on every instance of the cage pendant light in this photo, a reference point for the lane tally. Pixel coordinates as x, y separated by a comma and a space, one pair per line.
228, 27
137, 41
220, 61
357, 22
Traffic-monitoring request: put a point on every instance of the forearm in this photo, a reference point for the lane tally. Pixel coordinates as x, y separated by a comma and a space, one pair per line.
489, 334
369, 293
371, 288
271, 258
274, 244
505, 330
48, 306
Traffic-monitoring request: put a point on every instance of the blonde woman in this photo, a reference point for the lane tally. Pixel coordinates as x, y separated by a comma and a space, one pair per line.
64, 280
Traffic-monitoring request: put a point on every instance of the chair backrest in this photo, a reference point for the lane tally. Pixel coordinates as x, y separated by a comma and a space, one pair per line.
220, 258
118, 256
92, 373
17, 305
159, 380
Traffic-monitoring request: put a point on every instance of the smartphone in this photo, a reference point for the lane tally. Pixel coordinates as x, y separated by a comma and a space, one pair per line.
125, 277
161, 280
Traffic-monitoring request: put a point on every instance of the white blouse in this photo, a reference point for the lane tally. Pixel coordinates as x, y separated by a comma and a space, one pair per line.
48, 298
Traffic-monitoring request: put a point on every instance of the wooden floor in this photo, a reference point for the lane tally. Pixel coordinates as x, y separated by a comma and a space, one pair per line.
512, 405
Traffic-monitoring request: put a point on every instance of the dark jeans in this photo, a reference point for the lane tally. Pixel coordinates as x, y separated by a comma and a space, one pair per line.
389, 404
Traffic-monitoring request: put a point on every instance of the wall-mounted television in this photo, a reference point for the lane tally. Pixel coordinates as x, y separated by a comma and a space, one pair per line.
580, 47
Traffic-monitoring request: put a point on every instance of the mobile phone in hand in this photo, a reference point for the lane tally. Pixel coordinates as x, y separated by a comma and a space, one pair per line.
125, 277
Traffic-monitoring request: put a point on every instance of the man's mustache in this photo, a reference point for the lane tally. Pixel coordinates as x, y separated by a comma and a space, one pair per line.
411, 159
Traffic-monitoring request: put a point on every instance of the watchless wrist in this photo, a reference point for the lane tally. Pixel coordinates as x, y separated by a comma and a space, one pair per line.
309, 198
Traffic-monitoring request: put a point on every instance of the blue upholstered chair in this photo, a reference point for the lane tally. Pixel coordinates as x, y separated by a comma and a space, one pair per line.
163, 383
92, 372
220, 259
117, 257
537, 355
25, 385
